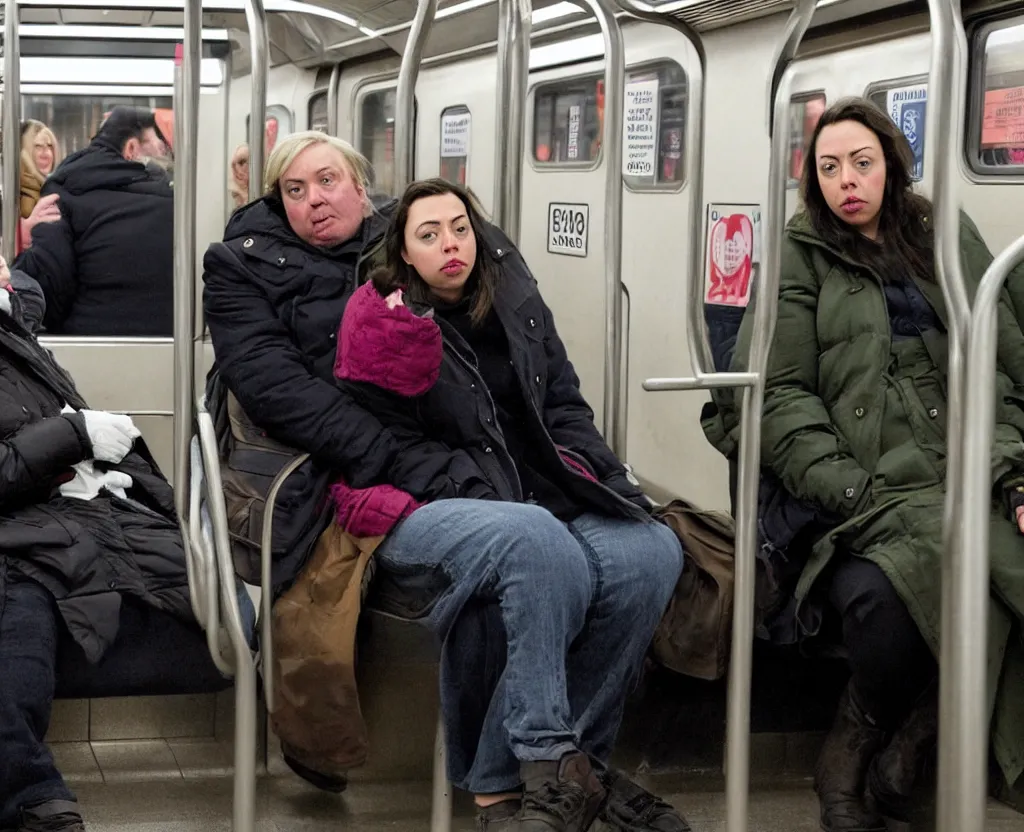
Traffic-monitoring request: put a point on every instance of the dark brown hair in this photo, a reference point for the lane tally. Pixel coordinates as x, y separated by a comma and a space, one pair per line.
396, 273
905, 239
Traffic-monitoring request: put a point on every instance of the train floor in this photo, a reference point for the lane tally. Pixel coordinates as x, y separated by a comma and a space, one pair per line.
284, 804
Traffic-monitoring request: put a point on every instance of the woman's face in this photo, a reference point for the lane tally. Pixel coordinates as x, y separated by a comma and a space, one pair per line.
240, 167
42, 154
440, 244
851, 174
324, 202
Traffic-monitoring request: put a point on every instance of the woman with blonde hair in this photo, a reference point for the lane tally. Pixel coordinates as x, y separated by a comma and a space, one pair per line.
238, 185
40, 156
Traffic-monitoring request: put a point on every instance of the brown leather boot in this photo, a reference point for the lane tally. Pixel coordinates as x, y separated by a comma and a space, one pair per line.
839, 777
907, 762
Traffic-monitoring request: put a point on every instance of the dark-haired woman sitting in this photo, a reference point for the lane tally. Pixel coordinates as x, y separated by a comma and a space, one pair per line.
512, 501
855, 425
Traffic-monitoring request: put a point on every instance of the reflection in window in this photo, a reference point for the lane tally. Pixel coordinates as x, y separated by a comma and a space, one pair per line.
456, 123
804, 112
999, 125
279, 124
75, 119
318, 112
377, 137
567, 120
654, 127
906, 103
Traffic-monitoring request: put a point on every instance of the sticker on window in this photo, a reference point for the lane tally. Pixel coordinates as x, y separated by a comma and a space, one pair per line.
455, 135
1003, 124
640, 128
733, 250
907, 107
568, 228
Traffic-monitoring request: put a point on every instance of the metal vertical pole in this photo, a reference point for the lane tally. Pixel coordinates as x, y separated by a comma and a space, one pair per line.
499, 208
259, 60
611, 147
333, 87
405, 96
12, 130
517, 70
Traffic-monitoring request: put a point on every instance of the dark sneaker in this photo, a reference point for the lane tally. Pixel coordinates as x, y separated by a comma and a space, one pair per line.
52, 816
630, 808
562, 796
500, 817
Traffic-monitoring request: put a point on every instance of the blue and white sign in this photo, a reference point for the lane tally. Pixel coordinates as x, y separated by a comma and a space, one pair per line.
907, 107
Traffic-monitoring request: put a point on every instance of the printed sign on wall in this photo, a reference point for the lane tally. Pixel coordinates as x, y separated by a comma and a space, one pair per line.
455, 135
640, 129
733, 249
572, 151
907, 107
568, 228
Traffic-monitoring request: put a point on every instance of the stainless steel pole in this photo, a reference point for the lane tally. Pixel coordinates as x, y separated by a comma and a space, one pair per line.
332, 100
514, 24
405, 96
12, 130
502, 87
259, 62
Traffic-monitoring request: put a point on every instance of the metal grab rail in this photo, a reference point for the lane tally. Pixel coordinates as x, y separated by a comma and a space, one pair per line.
515, 22
12, 131
333, 87
405, 95
259, 51
964, 744
753, 382
611, 147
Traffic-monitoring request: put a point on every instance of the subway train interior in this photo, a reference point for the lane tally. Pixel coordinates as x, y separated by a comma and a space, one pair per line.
694, 181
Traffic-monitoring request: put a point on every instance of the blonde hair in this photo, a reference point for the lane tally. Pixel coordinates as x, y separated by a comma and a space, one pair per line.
33, 130
289, 149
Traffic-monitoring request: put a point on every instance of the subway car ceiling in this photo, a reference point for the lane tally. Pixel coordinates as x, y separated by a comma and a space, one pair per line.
314, 34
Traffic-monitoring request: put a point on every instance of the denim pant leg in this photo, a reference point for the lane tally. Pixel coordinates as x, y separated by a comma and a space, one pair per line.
28, 657
634, 570
525, 559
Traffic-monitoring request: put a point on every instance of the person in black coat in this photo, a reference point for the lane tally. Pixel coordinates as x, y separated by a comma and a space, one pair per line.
275, 293
106, 268
86, 521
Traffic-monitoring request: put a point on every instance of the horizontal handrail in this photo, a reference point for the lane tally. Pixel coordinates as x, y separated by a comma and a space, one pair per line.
709, 381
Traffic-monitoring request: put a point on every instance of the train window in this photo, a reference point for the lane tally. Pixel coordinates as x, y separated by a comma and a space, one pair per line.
279, 125
317, 113
568, 118
377, 136
455, 129
75, 119
567, 121
804, 112
654, 127
997, 108
906, 103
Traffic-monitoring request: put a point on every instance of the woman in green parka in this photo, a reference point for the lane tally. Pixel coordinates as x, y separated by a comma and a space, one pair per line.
854, 424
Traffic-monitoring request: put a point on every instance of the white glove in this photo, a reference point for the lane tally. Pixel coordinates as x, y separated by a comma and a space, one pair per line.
88, 481
111, 436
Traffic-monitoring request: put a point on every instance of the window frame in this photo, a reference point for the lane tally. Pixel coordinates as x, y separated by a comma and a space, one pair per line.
876, 87
455, 110
370, 86
531, 126
275, 111
800, 98
975, 169
311, 99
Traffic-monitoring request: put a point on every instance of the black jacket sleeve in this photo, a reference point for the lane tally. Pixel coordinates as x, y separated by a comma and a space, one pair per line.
570, 421
52, 263
33, 458
31, 300
276, 388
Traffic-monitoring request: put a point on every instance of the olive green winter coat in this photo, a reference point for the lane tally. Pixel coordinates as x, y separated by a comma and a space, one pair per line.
855, 424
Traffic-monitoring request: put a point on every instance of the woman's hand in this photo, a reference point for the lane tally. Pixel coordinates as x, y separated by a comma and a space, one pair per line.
5, 274
46, 210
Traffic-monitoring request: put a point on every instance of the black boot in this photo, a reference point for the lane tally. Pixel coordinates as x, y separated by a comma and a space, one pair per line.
559, 796
908, 760
333, 783
840, 774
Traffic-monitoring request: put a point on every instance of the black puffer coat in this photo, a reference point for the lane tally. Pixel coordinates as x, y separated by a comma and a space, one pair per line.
88, 554
107, 267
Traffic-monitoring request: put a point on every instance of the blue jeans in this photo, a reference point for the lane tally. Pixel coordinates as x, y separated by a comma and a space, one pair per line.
572, 607
28, 657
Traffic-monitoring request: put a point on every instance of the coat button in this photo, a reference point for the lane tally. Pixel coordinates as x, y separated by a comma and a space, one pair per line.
934, 412
472, 385
489, 420
849, 493
860, 412
532, 322
537, 379
281, 261
249, 243
500, 252
488, 450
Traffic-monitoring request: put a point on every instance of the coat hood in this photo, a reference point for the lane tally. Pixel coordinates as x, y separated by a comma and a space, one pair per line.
101, 167
388, 345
